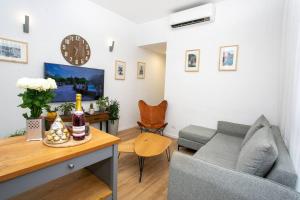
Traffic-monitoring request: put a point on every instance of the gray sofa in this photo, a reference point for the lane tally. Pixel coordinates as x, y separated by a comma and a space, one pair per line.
210, 173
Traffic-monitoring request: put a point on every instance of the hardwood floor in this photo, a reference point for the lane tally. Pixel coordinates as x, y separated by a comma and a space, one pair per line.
155, 175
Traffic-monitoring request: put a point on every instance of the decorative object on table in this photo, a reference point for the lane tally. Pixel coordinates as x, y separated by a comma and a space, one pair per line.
192, 60
141, 70
58, 132
228, 58
91, 110
120, 70
20, 132
70, 143
113, 110
13, 51
66, 108
75, 50
102, 103
153, 117
52, 112
36, 97
78, 121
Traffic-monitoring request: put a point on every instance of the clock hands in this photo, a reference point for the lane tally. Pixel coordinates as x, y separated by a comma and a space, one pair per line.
76, 51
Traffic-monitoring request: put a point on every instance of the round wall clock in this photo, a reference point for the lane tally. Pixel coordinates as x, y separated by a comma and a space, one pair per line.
75, 50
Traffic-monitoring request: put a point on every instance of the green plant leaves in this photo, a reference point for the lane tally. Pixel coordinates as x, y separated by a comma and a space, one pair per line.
35, 101
114, 109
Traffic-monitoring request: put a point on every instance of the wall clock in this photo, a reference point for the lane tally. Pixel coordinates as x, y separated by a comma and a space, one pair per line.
75, 50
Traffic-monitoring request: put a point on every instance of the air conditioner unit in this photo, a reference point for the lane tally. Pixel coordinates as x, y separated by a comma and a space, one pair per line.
200, 14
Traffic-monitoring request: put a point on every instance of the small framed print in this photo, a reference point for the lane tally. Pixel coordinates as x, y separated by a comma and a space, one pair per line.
13, 51
141, 70
120, 70
228, 58
192, 59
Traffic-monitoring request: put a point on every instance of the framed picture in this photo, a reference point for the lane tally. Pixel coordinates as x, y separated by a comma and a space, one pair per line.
228, 58
120, 70
192, 59
13, 51
141, 70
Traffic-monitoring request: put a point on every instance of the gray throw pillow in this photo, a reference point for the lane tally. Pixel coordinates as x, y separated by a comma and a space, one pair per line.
259, 153
259, 123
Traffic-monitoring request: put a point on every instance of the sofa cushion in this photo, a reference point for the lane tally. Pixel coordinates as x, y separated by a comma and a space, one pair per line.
259, 123
222, 150
197, 133
189, 144
258, 155
283, 170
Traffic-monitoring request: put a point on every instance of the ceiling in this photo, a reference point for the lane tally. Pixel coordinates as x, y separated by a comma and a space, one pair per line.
157, 47
141, 11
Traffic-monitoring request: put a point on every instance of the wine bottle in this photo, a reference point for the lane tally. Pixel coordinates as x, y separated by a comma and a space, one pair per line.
78, 120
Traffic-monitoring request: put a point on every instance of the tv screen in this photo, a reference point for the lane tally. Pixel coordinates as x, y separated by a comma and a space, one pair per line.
71, 80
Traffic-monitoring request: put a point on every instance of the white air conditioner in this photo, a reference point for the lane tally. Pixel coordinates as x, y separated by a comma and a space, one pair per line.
200, 14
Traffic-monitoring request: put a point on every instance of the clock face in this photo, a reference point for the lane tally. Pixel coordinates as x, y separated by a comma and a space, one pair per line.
75, 50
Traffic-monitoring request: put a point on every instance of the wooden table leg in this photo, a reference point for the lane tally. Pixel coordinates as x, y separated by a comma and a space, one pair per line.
106, 126
101, 126
141, 165
168, 154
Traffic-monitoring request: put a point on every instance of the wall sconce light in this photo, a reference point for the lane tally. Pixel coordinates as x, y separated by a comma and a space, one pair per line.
26, 24
111, 45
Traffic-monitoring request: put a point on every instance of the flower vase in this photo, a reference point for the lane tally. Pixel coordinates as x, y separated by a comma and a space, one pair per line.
35, 129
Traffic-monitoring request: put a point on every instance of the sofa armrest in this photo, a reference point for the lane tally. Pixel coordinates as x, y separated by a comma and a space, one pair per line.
234, 129
192, 179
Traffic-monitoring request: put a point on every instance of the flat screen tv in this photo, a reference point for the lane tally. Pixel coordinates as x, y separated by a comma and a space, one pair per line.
71, 80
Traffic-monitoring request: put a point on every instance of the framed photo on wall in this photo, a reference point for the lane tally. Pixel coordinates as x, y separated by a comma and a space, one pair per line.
13, 51
120, 70
141, 70
228, 58
192, 59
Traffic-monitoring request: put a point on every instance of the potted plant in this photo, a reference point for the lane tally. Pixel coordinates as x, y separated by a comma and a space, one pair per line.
102, 103
66, 108
20, 132
92, 110
38, 93
51, 112
113, 124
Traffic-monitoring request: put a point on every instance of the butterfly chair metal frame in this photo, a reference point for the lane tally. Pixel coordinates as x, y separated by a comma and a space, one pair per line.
152, 117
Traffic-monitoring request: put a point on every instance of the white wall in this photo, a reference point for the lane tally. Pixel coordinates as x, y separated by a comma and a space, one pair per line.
50, 22
208, 96
290, 82
152, 32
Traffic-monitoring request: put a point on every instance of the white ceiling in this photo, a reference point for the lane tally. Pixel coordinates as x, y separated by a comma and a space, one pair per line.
141, 11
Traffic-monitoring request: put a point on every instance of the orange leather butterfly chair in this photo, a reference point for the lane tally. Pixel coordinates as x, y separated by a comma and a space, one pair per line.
153, 117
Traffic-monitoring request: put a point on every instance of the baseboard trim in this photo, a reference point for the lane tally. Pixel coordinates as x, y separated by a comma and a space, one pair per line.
128, 129
136, 127
171, 135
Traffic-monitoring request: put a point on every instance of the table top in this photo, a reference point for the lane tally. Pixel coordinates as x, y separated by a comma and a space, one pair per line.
127, 146
19, 157
150, 144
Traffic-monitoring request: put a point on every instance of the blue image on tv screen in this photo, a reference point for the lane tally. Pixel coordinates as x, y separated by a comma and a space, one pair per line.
71, 80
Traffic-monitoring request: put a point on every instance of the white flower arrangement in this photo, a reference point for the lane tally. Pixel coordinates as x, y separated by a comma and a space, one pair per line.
37, 95
38, 84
